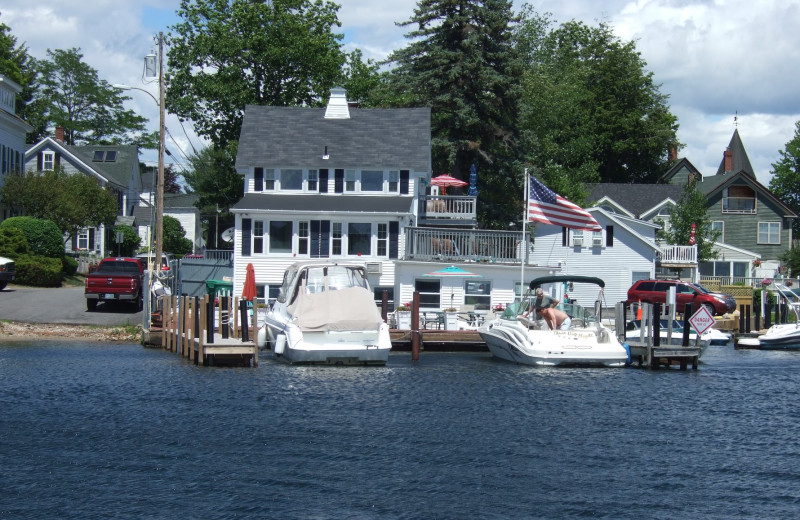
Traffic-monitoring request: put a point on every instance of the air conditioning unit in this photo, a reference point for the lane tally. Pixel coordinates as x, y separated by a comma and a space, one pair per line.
374, 267
597, 241
577, 241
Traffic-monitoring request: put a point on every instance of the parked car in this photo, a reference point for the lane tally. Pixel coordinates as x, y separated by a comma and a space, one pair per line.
115, 279
166, 259
655, 291
6, 271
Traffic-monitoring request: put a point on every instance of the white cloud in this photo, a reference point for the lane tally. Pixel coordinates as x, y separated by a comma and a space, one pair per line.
713, 57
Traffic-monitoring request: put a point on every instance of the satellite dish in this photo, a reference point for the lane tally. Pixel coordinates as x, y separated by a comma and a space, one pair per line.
227, 235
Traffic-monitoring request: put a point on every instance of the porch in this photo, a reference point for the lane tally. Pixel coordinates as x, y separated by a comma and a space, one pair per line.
447, 210
463, 245
677, 256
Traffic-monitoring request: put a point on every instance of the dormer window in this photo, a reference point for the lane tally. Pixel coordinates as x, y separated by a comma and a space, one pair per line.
104, 156
48, 161
291, 179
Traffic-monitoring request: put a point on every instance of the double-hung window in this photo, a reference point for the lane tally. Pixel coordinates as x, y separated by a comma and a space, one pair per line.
336, 238
258, 237
269, 179
349, 180
383, 239
48, 161
280, 236
313, 180
769, 232
359, 236
394, 181
291, 180
303, 235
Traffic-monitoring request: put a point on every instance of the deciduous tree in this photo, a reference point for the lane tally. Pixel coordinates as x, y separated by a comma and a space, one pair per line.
89, 108
785, 182
692, 208
224, 55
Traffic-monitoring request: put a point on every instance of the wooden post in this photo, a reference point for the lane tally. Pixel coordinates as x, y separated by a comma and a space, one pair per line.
741, 319
209, 305
224, 317
245, 324
234, 317
201, 358
164, 321
687, 313
415, 335
747, 318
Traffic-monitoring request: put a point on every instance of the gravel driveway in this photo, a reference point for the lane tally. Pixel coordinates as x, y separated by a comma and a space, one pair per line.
62, 305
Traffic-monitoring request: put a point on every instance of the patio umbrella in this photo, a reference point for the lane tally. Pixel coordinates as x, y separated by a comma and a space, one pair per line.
249, 290
444, 181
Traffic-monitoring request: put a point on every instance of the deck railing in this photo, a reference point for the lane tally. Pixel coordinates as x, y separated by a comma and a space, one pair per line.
677, 255
739, 205
463, 245
434, 207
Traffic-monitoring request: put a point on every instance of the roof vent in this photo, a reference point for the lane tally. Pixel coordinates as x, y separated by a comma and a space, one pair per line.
337, 105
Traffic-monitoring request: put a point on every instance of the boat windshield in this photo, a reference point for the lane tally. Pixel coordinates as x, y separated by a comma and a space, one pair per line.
333, 278
527, 305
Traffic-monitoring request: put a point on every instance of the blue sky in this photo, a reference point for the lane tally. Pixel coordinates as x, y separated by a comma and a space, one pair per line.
714, 58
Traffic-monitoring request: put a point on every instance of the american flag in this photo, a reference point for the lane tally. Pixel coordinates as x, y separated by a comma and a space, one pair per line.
546, 206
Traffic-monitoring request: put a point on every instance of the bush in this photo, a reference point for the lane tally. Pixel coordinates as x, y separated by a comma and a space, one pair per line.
69, 265
39, 271
44, 237
131, 241
13, 243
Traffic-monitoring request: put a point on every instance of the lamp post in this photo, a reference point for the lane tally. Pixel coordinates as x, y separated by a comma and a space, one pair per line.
161, 131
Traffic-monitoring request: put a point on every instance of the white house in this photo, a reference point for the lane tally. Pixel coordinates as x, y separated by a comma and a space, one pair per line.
12, 135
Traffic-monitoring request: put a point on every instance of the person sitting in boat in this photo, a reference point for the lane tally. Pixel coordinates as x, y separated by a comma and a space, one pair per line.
555, 318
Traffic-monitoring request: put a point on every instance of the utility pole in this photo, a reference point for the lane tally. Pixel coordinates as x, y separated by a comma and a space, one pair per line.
160, 182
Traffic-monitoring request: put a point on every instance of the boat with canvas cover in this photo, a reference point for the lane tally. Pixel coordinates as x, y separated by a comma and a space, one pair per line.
326, 314
781, 336
520, 337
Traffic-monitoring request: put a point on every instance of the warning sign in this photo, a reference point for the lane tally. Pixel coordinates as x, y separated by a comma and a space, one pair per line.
702, 320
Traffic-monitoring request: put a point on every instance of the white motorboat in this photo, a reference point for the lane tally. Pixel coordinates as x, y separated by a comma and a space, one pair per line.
517, 337
781, 336
326, 314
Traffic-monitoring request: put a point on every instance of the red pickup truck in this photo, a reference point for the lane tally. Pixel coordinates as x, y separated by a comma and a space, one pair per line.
115, 279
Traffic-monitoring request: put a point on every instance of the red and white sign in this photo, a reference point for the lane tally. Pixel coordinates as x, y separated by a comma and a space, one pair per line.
702, 320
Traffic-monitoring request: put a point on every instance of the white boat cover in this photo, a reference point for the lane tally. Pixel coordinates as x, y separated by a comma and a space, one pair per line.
351, 308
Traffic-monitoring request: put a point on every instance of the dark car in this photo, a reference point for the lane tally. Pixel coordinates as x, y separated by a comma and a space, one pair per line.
655, 291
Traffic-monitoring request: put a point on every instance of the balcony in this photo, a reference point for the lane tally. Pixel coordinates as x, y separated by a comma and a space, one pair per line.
741, 205
447, 210
677, 256
463, 245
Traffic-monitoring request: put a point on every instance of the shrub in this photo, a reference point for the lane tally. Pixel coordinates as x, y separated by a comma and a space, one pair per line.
69, 265
13, 243
44, 237
39, 271
131, 241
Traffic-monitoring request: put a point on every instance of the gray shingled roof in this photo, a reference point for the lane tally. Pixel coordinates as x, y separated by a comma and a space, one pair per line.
636, 198
293, 137
118, 171
324, 203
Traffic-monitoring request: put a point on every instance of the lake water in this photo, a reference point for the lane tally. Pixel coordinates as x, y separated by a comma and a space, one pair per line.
119, 431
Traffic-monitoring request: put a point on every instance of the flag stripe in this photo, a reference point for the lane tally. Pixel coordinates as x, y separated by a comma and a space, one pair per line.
547, 207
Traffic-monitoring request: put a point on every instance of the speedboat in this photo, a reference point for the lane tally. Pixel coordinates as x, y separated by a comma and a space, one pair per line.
781, 336
517, 337
326, 314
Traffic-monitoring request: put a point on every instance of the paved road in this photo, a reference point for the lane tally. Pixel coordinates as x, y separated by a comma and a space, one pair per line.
62, 305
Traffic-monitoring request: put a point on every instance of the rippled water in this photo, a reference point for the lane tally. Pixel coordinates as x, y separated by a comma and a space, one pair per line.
118, 431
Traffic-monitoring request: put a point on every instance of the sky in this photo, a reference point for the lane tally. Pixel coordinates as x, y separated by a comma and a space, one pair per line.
725, 64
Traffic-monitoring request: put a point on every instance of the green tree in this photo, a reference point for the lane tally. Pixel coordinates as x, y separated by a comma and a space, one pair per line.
590, 109
791, 259
692, 209
131, 241
72, 202
361, 78
785, 183
175, 240
212, 176
44, 237
89, 109
13, 243
462, 63
18, 66
228, 54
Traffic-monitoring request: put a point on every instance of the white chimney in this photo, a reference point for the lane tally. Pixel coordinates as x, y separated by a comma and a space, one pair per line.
337, 105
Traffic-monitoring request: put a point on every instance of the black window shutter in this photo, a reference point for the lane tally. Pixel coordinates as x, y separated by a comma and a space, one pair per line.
39, 161
404, 182
258, 179
58, 159
394, 239
564, 237
338, 181
247, 230
323, 181
609, 236
91, 239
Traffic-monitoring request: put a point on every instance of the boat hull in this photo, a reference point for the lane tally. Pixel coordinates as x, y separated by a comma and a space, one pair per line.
511, 341
293, 346
781, 337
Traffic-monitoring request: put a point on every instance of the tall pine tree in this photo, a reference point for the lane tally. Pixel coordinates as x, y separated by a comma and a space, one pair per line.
462, 63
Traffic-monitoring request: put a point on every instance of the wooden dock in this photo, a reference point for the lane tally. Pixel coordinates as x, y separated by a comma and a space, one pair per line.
206, 334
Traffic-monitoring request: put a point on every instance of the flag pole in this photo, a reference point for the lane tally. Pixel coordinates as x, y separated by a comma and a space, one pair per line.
524, 238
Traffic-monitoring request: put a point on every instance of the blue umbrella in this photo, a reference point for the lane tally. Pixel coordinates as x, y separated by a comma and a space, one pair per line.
473, 181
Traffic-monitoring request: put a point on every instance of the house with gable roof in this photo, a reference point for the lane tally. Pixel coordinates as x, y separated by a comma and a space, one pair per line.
113, 166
